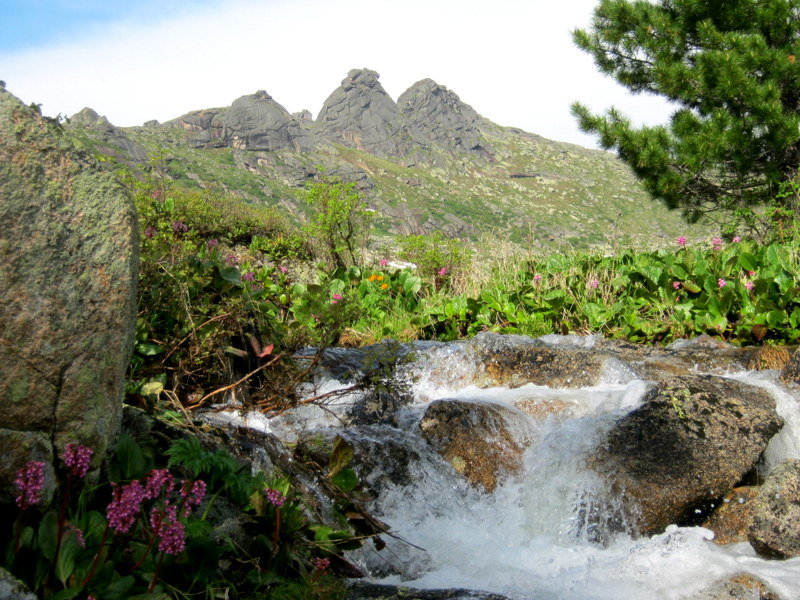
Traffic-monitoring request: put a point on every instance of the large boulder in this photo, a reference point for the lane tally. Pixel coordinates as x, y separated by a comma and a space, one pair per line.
483, 441
68, 266
692, 440
732, 518
541, 365
738, 587
791, 371
775, 532
258, 122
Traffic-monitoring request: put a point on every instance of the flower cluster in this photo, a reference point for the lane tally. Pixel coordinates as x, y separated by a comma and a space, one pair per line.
170, 531
122, 510
594, 284
150, 232
442, 272
322, 564
716, 244
179, 227
30, 481
274, 497
681, 241
336, 298
77, 459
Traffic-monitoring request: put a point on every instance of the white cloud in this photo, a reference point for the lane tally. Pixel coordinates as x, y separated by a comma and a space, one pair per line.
512, 60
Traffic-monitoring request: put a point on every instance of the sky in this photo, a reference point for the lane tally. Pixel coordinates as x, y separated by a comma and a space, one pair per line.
513, 61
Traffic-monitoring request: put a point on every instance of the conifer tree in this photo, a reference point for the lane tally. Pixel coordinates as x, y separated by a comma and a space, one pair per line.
732, 68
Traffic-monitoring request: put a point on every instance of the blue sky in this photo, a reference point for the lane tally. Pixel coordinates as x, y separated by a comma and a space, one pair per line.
512, 60
35, 23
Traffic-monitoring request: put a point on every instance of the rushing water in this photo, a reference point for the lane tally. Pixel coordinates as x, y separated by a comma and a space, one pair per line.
527, 540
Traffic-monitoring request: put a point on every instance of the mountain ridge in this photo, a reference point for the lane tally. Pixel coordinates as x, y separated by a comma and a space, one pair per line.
428, 161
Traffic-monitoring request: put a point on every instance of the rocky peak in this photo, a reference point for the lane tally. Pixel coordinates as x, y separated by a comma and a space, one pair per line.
441, 116
113, 139
360, 114
257, 122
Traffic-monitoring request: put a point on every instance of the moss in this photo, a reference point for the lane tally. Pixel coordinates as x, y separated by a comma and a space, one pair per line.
18, 391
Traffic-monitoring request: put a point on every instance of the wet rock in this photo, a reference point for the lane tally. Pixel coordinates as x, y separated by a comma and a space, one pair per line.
692, 440
561, 367
12, 588
482, 441
791, 372
68, 267
543, 408
382, 456
768, 357
775, 532
733, 517
362, 590
738, 587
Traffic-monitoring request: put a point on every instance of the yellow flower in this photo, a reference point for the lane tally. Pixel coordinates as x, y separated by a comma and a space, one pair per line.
379, 278
384, 286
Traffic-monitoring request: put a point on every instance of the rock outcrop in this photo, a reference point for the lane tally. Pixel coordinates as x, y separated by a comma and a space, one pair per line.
738, 587
482, 441
691, 441
441, 117
360, 114
775, 532
257, 122
732, 518
68, 266
113, 140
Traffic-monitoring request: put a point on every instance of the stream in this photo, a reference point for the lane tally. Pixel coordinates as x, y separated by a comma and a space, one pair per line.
529, 539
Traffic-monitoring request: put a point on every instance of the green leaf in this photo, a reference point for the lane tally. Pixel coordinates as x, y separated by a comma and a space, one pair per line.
691, 287
118, 589
747, 261
67, 594
148, 349
341, 455
346, 480
128, 461
65, 565
231, 274
48, 531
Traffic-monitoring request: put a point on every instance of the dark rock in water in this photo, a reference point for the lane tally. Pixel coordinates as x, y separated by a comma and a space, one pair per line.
775, 532
257, 122
361, 590
738, 587
483, 441
68, 267
113, 140
733, 517
691, 441
440, 115
360, 114
12, 588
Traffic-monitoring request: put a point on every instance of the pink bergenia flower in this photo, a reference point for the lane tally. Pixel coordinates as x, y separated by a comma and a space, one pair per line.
749, 285
122, 510
721, 282
274, 497
736, 239
751, 273
594, 283
537, 278
213, 243
248, 276
681, 241
170, 531
383, 262
283, 269
157, 480
77, 459
179, 227
717, 243
322, 564
336, 298
442, 272
676, 285
30, 481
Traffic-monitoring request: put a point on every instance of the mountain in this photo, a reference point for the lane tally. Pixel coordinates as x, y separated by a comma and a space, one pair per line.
426, 162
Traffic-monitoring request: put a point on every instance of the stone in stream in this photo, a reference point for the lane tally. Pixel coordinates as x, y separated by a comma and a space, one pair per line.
483, 441
731, 520
775, 532
691, 441
791, 372
68, 267
362, 590
738, 587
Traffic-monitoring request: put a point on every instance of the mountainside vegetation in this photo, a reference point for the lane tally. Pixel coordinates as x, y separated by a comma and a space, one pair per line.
426, 163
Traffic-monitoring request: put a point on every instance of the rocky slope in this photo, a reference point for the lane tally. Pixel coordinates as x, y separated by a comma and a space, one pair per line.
427, 162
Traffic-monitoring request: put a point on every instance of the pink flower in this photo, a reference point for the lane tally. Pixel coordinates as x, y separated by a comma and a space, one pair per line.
681, 241
283, 269
170, 531
157, 480
322, 564
122, 510
150, 232
193, 492
179, 227
77, 459
594, 284
336, 298
736, 239
274, 497
717, 244
537, 278
30, 481
76, 531
442, 272
212, 243
248, 276
721, 282
751, 273
676, 285
383, 262
749, 285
